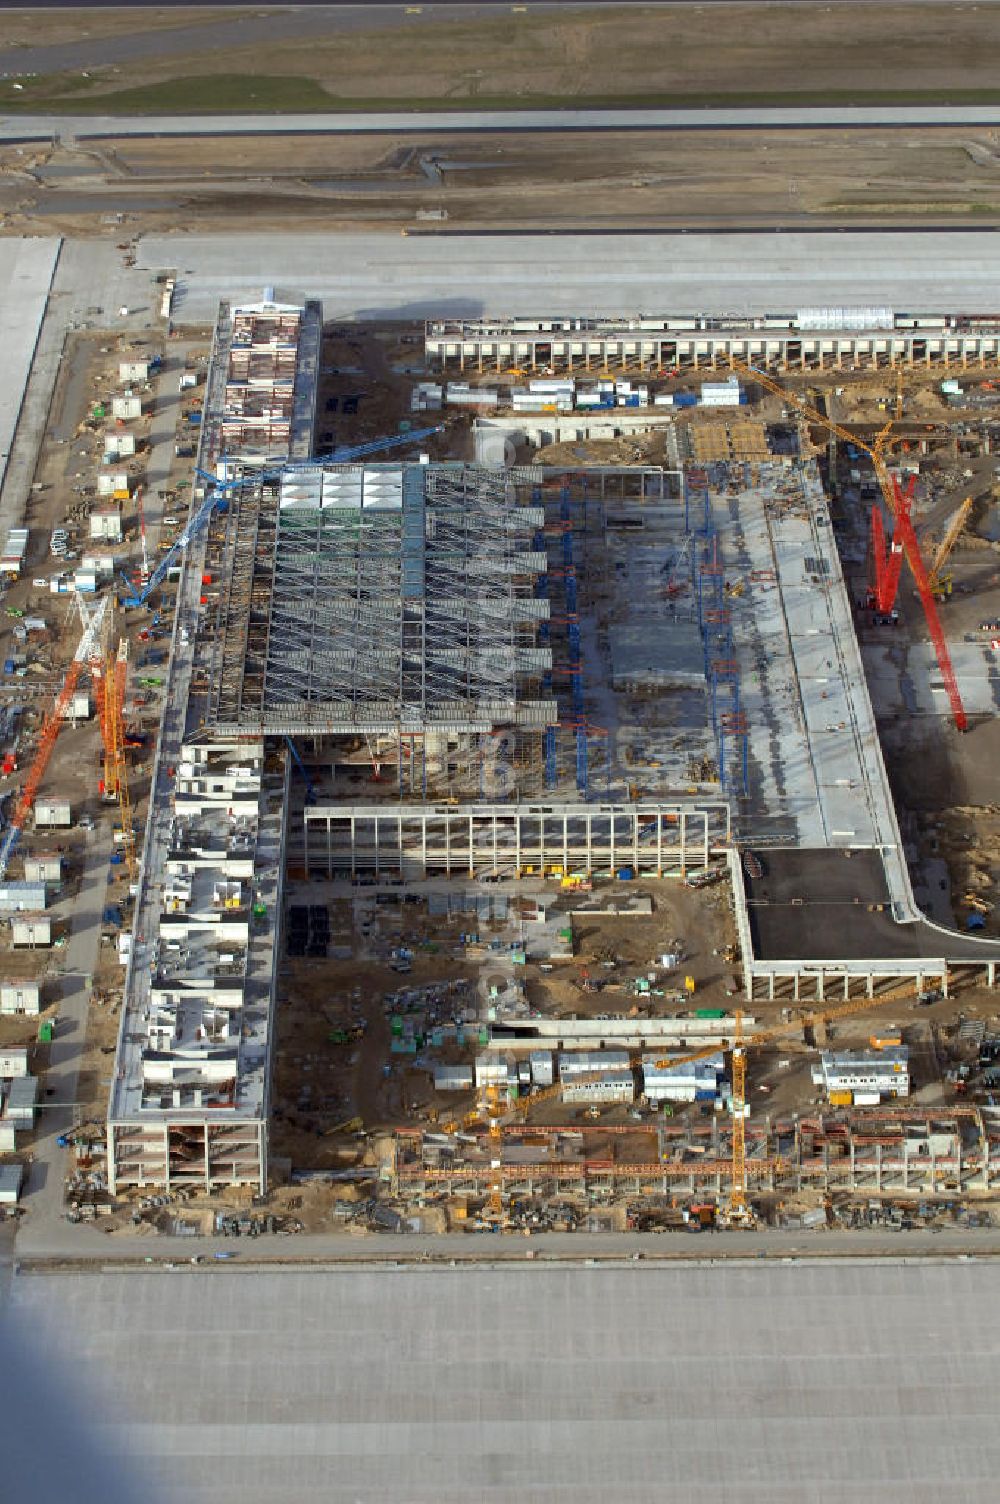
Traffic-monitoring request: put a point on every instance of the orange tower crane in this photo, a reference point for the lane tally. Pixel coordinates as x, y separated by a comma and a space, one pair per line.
50, 731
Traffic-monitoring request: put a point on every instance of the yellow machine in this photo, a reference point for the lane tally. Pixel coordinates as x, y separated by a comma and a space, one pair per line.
941, 583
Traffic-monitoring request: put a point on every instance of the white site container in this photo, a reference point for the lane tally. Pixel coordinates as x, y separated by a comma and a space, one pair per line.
53, 813
126, 407
43, 869
542, 1073
106, 523
31, 931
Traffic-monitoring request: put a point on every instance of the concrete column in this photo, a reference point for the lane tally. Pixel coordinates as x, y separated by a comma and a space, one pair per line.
820, 981
796, 980
770, 990
870, 984
847, 987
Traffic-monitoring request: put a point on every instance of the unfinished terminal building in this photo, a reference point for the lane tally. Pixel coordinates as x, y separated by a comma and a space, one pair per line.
402, 671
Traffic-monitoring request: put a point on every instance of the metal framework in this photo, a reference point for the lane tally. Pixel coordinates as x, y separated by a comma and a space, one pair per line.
380, 599
686, 344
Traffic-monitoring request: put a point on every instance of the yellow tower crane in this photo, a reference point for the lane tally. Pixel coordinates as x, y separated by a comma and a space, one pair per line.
941, 583
109, 671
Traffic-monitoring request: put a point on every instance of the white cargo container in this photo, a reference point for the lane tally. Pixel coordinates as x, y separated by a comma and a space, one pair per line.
542, 1073
10, 1184
494, 1069
21, 1102
460, 395
133, 370
612, 1086
85, 582
78, 708
14, 551
720, 394
43, 869
113, 483
31, 931
22, 898
103, 565
126, 407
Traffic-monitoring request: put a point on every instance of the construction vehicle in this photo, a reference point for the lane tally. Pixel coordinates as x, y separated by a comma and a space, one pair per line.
50, 731
904, 531
349, 1125
940, 583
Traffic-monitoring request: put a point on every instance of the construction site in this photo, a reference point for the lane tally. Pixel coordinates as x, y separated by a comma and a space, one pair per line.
544, 771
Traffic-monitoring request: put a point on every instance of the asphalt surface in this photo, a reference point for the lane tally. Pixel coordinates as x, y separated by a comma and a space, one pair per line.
400, 122
251, 29
835, 905
26, 271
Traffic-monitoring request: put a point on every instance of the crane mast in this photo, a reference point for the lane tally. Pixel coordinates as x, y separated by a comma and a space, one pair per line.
50, 731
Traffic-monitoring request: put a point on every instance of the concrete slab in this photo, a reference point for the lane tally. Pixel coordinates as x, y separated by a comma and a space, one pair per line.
756, 1384
26, 271
387, 276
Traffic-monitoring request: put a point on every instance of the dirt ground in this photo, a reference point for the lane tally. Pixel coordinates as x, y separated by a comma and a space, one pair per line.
663, 52
322, 1082
606, 179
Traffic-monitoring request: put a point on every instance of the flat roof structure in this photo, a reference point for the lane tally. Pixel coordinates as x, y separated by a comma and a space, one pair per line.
381, 598
818, 338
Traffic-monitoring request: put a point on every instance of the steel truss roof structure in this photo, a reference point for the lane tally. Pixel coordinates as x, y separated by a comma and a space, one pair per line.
382, 598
